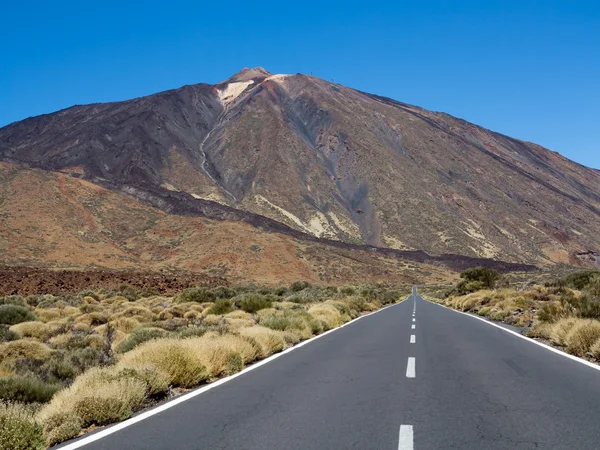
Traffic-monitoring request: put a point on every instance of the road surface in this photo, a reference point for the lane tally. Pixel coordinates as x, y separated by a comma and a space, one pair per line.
435, 379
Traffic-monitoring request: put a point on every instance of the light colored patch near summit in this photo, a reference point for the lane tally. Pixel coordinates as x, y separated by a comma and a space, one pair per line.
233, 91
278, 77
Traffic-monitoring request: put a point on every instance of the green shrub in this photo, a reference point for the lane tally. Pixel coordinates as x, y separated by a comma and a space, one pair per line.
55, 368
278, 323
189, 332
196, 294
223, 292
221, 306
89, 293
140, 335
13, 300
26, 389
487, 277
580, 280
298, 286
280, 291
18, 428
6, 334
550, 313
251, 303
13, 314
348, 290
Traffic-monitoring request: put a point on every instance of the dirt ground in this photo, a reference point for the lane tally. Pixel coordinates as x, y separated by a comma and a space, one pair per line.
31, 280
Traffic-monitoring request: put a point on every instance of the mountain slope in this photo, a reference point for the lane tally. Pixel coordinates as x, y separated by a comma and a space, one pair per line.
326, 160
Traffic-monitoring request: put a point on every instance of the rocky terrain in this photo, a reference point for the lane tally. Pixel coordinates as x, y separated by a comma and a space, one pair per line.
308, 159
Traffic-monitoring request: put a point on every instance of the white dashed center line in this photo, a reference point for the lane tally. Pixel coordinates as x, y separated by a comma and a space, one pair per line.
410, 368
405, 441
413, 327
413, 339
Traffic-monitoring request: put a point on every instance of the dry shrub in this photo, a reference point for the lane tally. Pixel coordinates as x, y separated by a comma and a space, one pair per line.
212, 320
270, 341
327, 314
58, 426
18, 428
98, 397
191, 315
125, 324
238, 315
582, 336
239, 323
560, 329
93, 319
47, 315
595, 349
115, 301
540, 330
173, 357
23, 348
140, 313
80, 326
224, 354
34, 329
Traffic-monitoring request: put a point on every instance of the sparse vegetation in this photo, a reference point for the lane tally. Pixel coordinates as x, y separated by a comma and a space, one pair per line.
563, 310
97, 357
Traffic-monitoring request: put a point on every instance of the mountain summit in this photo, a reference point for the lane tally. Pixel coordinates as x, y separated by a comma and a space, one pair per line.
325, 160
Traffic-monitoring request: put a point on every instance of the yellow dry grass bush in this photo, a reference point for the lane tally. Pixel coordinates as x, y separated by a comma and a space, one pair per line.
287, 305
290, 337
23, 348
115, 301
140, 313
98, 397
266, 312
583, 335
90, 300
540, 330
34, 329
558, 331
49, 314
224, 354
191, 315
80, 326
212, 320
173, 357
270, 341
595, 349
125, 324
238, 315
327, 314
235, 324
195, 307
93, 319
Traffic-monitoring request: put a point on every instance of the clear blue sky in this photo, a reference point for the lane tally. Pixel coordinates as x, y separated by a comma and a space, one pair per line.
529, 69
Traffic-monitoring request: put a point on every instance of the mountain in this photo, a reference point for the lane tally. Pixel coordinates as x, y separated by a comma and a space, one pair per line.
302, 156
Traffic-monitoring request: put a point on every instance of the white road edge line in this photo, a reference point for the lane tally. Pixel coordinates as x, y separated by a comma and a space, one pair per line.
410, 367
413, 339
176, 401
533, 341
412, 327
406, 439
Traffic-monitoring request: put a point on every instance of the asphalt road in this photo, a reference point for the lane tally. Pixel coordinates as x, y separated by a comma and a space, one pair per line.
452, 382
